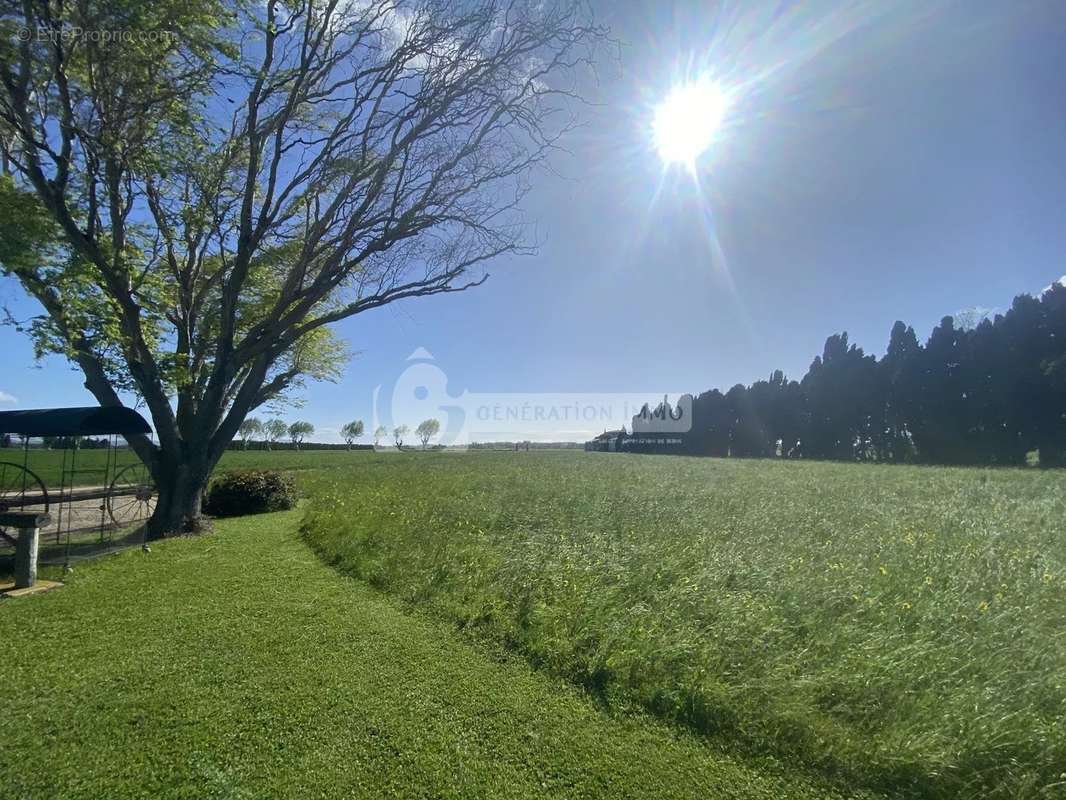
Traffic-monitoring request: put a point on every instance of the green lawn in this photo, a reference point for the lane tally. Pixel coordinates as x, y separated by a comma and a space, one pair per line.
238, 665
904, 627
901, 629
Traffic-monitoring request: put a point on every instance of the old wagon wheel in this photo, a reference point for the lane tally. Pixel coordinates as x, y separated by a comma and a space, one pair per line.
20, 490
132, 496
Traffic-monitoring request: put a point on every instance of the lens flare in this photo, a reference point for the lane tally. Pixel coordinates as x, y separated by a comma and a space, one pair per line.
688, 120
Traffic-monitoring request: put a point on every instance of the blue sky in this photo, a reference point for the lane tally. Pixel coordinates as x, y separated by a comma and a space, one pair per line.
874, 166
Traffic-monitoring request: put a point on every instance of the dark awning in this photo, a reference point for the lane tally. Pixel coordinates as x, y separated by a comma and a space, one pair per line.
85, 421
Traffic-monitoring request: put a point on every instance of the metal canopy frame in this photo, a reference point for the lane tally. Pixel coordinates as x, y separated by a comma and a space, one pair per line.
77, 421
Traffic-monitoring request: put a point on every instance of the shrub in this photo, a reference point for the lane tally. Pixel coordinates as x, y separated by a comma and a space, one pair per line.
251, 491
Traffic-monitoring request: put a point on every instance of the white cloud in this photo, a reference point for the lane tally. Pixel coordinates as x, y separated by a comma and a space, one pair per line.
1061, 281
7, 398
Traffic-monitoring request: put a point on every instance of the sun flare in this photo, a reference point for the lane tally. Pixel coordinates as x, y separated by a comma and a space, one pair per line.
687, 121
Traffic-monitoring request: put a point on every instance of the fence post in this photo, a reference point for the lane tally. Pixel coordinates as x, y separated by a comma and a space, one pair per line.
29, 532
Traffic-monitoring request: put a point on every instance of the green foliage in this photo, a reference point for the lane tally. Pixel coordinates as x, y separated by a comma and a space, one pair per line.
299, 430
238, 665
28, 235
251, 427
32, 250
900, 626
162, 58
426, 430
241, 492
163, 66
352, 431
987, 394
275, 429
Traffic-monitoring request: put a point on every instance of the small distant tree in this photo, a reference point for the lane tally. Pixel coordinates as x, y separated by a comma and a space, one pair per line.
426, 430
300, 430
250, 428
352, 431
380, 432
398, 433
275, 431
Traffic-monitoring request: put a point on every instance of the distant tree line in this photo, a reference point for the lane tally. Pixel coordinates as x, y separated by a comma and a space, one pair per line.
58, 442
524, 445
289, 445
989, 394
269, 435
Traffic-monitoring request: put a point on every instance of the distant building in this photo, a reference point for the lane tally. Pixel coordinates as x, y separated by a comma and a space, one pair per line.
664, 419
655, 430
607, 442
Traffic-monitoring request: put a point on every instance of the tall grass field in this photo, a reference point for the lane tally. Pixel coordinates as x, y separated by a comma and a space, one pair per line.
902, 629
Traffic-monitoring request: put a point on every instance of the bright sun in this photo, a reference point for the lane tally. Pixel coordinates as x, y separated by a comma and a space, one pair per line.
687, 120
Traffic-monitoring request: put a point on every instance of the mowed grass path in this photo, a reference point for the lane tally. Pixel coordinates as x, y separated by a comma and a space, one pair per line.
238, 665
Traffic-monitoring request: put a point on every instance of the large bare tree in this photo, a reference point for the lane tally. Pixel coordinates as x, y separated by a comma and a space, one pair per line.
226, 180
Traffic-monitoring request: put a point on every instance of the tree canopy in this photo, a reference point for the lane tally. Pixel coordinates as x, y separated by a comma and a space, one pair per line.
426, 430
275, 430
352, 431
250, 428
201, 197
300, 430
987, 394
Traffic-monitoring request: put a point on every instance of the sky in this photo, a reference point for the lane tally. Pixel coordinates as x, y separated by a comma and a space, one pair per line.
878, 161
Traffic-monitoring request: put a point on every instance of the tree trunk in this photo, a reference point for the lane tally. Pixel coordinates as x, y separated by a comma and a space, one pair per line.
180, 484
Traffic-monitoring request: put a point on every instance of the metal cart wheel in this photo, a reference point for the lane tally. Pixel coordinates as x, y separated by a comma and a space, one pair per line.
132, 495
21, 489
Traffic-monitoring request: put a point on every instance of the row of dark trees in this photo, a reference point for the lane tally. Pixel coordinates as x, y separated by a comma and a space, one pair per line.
58, 442
988, 394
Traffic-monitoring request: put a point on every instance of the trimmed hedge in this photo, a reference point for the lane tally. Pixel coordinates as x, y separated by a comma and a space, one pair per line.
250, 491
